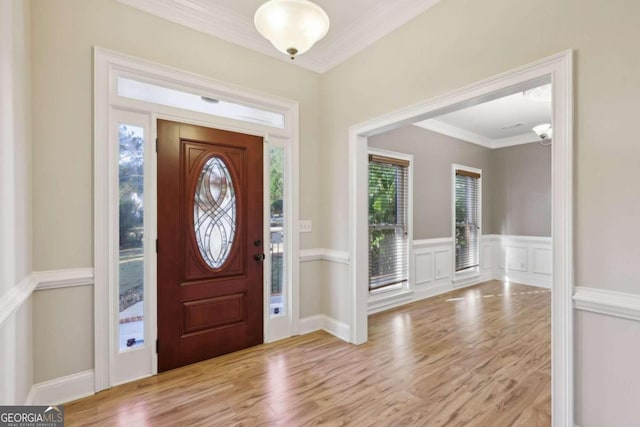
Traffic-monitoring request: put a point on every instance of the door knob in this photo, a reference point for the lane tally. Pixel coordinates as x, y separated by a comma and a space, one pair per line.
259, 257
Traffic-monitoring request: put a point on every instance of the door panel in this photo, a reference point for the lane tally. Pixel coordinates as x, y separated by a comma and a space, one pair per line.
210, 228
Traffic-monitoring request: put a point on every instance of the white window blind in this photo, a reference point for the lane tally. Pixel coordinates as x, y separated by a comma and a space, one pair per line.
467, 203
388, 241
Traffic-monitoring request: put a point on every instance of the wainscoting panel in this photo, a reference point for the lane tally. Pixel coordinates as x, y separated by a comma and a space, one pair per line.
443, 264
521, 259
424, 265
542, 261
431, 262
514, 258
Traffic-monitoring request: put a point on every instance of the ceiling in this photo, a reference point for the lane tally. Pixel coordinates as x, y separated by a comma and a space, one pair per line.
355, 24
499, 123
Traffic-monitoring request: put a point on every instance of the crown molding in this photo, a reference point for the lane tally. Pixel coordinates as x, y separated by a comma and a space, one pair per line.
514, 140
474, 138
217, 22
377, 23
455, 132
335, 48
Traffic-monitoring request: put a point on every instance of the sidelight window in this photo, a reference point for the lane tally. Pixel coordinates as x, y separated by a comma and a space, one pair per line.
131, 231
277, 249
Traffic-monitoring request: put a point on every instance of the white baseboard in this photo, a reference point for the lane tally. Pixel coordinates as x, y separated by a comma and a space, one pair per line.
539, 281
384, 302
62, 390
431, 290
311, 324
325, 323
322, 254
337, 328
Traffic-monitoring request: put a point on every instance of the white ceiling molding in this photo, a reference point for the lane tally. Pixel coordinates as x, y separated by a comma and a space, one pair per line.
474, 138
373, 24
342, 42
455, 132
514, 140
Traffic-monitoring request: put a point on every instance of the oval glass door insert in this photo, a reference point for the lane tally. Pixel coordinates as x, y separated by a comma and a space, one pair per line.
214, 212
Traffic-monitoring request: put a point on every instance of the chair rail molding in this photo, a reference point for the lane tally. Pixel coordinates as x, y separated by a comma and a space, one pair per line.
55, 279
13, 299
610, 303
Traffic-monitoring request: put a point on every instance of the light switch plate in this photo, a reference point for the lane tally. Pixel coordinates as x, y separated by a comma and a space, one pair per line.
305, 226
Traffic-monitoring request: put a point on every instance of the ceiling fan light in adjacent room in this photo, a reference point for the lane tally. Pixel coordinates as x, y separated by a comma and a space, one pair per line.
292, 26
544, 131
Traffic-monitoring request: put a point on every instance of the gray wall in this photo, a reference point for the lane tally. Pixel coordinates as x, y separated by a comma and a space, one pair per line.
433, 155
516, 182
521, 190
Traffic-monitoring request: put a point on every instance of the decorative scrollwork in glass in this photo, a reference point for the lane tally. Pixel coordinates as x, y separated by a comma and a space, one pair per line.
214, 212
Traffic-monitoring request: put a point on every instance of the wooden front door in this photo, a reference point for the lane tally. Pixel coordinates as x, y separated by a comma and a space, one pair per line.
210, 249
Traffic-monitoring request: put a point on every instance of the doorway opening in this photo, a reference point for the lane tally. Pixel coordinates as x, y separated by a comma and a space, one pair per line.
556, 70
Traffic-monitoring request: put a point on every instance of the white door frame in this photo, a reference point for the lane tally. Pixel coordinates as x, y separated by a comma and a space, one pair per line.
557, 68
108, 106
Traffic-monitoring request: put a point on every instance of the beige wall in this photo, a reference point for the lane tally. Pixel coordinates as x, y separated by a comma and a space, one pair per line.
607, 351
459, 42
63, 333
433, 155
520, 187
64, 33
455, 43
16, 353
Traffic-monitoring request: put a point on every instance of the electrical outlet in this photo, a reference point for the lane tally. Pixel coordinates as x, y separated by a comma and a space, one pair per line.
305, 226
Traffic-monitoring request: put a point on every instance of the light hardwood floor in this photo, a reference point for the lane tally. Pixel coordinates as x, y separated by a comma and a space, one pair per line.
473, 357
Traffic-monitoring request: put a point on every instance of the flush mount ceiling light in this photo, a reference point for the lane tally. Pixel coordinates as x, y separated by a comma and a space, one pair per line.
544, 132
292, 26
540, 93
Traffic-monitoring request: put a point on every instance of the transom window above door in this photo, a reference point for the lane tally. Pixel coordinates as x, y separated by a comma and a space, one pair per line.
157, 94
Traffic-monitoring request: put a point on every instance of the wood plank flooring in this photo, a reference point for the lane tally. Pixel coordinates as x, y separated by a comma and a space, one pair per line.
473, 357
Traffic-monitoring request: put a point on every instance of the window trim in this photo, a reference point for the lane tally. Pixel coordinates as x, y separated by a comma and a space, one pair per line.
395, 293
472, 272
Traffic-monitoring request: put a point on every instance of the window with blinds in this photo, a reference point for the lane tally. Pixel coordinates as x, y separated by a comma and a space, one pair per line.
388, 217
467, 221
